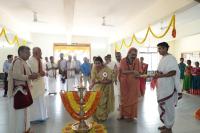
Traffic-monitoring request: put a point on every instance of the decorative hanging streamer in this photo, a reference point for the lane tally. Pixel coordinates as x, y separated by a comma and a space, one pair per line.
134, 38
174, 28
15, 39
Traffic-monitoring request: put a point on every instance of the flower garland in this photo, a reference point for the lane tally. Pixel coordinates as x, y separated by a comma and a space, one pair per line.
197, 114
15, 39
76, 104
89, 104
149, 30
96, 128
73, 107
77, 98
68, 107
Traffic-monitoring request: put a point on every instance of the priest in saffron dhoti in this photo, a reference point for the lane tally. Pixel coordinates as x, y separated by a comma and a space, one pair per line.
38, 109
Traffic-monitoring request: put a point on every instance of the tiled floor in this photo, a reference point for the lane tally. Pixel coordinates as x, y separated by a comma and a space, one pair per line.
147, 122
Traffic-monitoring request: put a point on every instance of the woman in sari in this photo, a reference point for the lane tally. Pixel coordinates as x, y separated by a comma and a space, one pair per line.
195, 80
187, 82
129, 85
143, 71
101, 77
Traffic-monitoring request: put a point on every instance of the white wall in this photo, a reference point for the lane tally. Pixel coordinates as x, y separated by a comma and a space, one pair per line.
187, 44
99, 45
46, 42
6, 50
13, 25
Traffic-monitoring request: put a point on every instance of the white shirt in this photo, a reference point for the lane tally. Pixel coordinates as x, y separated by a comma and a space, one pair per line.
38, 88
63, 64
166, 85
51, 72
111, 65
71, 65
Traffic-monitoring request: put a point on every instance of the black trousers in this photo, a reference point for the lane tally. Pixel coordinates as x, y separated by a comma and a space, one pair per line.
5, 84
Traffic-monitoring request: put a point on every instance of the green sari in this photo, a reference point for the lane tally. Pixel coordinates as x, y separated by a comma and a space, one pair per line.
106, 103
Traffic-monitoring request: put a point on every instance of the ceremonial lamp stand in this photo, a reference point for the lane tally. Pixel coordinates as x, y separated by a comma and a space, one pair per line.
82, 126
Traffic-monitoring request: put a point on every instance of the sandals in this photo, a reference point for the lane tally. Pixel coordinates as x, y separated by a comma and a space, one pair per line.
127, 119
120, 118
161, 128
130, 119
166, 130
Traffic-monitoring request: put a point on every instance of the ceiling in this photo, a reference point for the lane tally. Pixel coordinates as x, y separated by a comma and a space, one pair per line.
84, 17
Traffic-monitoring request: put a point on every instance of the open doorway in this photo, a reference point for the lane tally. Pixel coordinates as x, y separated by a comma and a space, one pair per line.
151, 57
78, 50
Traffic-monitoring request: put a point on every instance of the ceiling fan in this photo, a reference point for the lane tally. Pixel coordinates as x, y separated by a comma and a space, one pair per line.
35, 18
104, 22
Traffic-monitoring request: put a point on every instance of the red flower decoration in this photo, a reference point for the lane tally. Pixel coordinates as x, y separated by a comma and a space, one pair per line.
174, 33
153, 84
197, 114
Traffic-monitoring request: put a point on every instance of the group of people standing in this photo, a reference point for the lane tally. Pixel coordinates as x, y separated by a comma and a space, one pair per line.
190, 76
127, 73
70, 72
25, 81
103, 78
131, 80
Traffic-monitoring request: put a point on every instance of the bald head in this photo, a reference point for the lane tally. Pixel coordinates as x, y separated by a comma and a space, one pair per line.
37, 52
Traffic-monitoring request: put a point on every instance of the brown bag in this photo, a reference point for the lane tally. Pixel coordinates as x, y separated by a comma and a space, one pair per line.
23, 97
22, 100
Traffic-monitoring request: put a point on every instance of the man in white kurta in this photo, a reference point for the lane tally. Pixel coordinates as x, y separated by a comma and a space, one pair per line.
77, 64
19, 119
51, 70
117, 92
168, 87
62, 66
46, 74
38, 109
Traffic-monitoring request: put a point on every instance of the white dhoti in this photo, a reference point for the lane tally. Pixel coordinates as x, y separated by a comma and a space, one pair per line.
117, 92
86, 80
77, 79
46, 82
38, 110
61, 85
167, 90
52, 85
70, 84
181, 80
19, 120
167, 111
